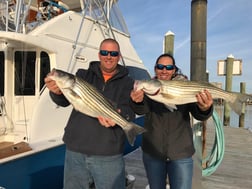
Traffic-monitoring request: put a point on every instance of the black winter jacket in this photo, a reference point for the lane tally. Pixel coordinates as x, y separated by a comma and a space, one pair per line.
169, 134
83, 133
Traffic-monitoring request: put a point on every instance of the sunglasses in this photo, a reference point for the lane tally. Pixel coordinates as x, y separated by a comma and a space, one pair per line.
167, 67
112, 53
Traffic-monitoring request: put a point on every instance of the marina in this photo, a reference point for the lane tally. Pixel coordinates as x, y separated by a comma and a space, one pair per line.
31, 125
234, 118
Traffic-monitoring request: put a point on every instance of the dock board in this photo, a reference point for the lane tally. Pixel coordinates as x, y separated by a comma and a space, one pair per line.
235, 171
5, 144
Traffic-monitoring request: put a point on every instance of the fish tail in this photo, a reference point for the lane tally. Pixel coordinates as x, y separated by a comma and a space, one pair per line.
132, 131
238, 101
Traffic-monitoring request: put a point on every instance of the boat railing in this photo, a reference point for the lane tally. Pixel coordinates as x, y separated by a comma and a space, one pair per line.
13, 15
20, 16
7, 13
49, 9
3, 126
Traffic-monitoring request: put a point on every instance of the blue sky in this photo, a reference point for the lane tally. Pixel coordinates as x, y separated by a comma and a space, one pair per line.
229, 31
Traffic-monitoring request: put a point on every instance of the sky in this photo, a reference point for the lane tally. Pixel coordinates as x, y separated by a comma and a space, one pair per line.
229, 32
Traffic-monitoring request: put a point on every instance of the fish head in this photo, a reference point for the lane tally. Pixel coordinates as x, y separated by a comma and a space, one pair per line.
63, 79
150, 87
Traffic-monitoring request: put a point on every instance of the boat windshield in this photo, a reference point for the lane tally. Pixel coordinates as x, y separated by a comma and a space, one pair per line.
106, 11
138, 73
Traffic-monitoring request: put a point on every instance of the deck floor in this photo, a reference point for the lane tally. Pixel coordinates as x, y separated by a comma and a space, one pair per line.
234, 172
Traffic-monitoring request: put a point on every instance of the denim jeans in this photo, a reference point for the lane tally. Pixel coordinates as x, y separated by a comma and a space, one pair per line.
80, 170
179, 172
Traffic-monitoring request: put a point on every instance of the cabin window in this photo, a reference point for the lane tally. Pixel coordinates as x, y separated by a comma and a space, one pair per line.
138, 73
1, 73
25, 72
44, 68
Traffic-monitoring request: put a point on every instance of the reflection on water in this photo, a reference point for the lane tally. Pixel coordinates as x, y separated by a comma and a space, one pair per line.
234, 118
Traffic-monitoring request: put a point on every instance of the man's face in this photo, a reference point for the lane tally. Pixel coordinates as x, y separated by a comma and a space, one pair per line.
109, 56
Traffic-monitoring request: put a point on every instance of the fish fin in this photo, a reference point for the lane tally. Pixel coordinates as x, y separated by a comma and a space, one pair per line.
72, 97
237, 104
132, 131
165, 95
166, 101
180, 77
171, 107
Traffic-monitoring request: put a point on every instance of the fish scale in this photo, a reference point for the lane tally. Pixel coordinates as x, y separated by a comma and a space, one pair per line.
98, 103
85, 93
187, 88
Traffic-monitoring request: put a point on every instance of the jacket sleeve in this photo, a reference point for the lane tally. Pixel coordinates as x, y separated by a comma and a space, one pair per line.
59, 99
141, 107
198, 114
124, 104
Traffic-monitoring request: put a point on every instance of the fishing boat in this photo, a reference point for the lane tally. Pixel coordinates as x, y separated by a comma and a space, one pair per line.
36, 36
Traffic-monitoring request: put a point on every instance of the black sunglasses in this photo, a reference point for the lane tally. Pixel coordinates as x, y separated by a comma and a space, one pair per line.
167, 67
112, 53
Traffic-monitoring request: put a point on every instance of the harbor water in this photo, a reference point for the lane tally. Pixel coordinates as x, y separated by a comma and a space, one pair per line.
234, 118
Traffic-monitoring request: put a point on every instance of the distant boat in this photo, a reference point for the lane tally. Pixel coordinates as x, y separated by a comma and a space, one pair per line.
36, 36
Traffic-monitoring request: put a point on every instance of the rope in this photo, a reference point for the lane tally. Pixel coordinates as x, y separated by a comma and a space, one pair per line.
216, 155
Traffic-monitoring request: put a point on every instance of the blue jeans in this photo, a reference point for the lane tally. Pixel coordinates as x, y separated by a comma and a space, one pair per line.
80, 170
179, 172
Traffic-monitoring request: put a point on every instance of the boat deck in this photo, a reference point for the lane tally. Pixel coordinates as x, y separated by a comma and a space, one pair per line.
9, 148
234, 172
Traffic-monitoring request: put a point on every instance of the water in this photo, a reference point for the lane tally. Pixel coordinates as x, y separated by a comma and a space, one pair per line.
234, 118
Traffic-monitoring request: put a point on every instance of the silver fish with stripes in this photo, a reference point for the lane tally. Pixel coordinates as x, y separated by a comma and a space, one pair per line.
86, 99
176, 92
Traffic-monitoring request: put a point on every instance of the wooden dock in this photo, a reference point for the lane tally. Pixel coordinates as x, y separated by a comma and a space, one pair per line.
234, 172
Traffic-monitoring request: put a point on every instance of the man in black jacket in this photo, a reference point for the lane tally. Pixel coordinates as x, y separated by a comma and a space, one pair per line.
94, 146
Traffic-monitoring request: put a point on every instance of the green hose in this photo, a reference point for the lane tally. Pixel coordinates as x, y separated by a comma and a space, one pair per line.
215, 157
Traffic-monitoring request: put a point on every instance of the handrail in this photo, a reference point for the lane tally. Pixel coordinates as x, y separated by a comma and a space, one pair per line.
2, 115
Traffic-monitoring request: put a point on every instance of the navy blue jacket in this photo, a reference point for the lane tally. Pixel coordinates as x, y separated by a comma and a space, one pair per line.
83, 133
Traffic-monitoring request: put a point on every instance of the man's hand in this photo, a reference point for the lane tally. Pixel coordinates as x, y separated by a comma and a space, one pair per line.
106, 122
52, 86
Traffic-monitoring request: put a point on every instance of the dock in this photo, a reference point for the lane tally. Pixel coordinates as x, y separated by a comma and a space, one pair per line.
234, 172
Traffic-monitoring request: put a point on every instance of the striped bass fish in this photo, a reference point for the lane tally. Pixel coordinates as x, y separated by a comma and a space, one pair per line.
175, 92
86, 99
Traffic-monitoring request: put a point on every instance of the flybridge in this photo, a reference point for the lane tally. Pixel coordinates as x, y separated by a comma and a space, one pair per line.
25, 15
